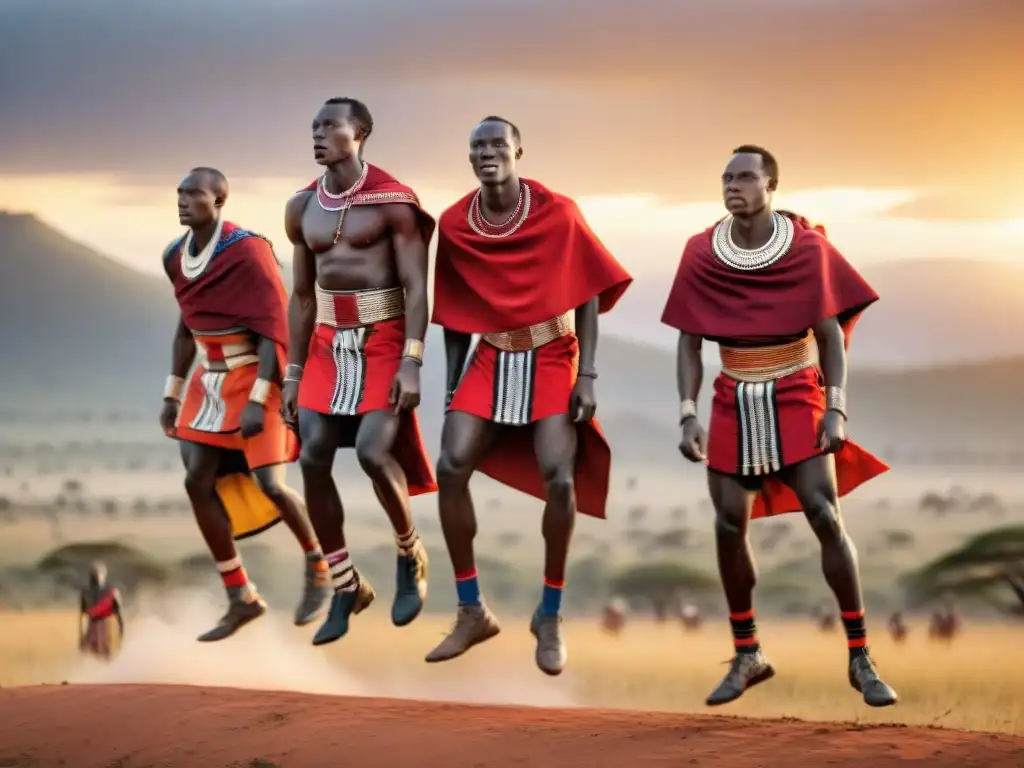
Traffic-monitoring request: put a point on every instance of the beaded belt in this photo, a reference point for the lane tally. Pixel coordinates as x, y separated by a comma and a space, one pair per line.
226, 351
535, 336
757, 364
354, 309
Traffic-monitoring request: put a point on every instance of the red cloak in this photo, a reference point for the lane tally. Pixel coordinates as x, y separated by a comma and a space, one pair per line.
380, 188
241, 287
810, 283
551, 265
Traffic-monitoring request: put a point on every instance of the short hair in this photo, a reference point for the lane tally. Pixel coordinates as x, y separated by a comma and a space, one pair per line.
771, 165
360, 113
219, 181
512, 126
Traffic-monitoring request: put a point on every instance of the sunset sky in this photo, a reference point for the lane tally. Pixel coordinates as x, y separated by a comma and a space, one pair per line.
899, 125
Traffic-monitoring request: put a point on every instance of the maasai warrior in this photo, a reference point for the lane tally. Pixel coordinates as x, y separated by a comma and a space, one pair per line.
770, 289
517, 264
234, 313
358, 316
100, 606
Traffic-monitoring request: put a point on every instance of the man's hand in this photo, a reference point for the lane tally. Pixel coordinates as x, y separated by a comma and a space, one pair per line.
831, 431
290, 405
405, 389
251, 420
583, 404
169, 416
694, 443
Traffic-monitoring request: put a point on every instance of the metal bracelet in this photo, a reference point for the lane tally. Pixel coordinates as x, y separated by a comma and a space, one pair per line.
687, 411
587, 371
260, 392
173, 387
414, 350
835, 400
293, 367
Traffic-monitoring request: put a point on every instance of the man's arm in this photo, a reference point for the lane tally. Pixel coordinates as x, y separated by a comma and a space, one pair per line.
586, 332
302, 304
689, 374
183, 354
456, 348
831, 342
411, 261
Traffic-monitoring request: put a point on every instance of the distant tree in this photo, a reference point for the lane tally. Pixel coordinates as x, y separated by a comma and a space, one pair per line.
989, 567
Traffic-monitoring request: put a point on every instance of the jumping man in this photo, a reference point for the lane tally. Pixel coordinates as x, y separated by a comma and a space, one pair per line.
518, 264
771, 290
234, 314
358, 315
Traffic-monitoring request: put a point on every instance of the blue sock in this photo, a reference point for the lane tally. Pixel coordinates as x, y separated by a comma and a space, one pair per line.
467, 585
551, 599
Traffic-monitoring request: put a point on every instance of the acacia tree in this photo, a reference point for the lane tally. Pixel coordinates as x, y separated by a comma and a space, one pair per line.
989, 567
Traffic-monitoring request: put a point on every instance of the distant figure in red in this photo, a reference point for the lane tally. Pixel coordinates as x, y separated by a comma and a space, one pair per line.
613, 617
517, 264
100, 607
945, 623
234, 326
898, 630
770, 290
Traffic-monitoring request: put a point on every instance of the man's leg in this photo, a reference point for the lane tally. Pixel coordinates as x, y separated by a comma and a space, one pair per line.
814, 483
465, 440
733, 500
374, 441
201, 463
317, 580
320, 438
554, 441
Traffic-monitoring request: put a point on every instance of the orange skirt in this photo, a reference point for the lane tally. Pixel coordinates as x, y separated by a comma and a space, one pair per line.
211, 411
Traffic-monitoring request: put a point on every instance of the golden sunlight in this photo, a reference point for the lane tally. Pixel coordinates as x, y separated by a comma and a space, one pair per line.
133, 222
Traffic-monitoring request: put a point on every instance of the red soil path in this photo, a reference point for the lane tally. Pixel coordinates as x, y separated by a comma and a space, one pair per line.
138, 726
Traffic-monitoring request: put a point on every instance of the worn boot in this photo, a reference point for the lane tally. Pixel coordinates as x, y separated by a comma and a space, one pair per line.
315, 592
244, 605
865, 680
410, 586
473, 625
745, 671
344, 605
551, 652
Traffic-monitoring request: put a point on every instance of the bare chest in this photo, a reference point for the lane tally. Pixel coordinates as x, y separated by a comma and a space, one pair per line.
361, 227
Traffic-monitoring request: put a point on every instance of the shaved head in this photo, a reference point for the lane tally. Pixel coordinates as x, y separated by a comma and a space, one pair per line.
213, 180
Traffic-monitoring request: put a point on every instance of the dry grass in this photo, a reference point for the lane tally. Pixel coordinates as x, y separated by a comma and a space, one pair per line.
973, 684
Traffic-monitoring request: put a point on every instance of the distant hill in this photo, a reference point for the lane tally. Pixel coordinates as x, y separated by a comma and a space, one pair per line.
82, 331
75, 321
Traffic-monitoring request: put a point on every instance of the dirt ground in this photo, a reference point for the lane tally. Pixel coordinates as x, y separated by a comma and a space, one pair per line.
137, 726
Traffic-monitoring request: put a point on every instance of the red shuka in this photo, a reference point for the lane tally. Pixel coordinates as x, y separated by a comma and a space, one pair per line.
241, 287
551, 265
381, 188
809, 284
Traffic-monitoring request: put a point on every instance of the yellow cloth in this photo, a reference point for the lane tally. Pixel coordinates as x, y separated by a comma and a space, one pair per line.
248, 507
